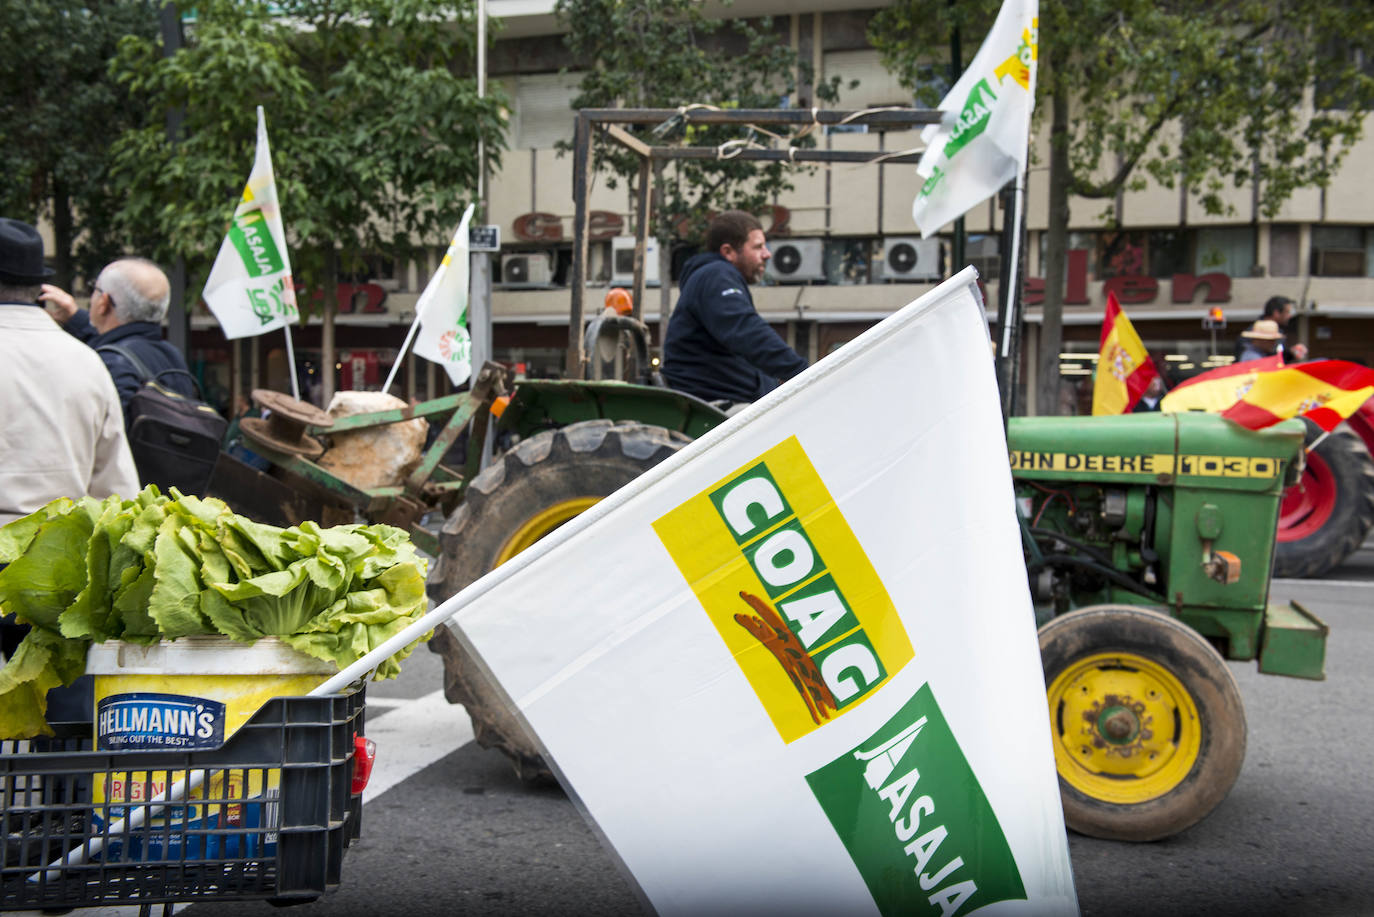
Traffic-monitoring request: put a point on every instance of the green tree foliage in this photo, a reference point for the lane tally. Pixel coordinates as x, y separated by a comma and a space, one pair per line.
1209, 95
373, 118
668, 54
59, 112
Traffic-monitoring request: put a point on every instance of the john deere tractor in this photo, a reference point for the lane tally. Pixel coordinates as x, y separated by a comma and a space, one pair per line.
1149, 543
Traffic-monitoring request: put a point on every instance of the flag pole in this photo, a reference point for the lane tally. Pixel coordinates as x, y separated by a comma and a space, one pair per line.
423, 302
414, 327
291, 362
1013, 298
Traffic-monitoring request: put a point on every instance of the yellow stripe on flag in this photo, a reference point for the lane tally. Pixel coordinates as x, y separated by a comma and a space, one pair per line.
1290, 392
1121, 354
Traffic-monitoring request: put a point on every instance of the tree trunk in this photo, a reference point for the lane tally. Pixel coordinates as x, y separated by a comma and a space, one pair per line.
1056, 243
330, 306
62, 235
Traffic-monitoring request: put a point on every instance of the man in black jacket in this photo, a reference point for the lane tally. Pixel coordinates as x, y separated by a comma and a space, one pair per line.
128, 303
717, 347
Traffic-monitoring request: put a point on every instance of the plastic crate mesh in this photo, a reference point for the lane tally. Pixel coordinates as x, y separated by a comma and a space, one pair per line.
269, 814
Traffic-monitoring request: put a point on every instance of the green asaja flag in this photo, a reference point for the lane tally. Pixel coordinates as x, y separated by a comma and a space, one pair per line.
981, 143
250, 289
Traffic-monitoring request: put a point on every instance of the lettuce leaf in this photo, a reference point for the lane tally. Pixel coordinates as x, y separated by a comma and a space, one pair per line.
159, 567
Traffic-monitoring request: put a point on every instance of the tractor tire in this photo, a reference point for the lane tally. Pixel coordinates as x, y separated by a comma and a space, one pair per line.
1147, 722
1326, 515
521, 497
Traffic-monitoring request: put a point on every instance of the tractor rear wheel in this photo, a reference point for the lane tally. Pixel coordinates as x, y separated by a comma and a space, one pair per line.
1147, 722
1326, 515
522, 496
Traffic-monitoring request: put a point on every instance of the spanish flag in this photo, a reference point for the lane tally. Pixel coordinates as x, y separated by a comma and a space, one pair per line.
1124, 368
1325, 392
1217, 389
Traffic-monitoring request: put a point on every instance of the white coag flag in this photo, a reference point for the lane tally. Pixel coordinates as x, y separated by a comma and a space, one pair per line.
250, 289
793, 668
442, 310
981, 143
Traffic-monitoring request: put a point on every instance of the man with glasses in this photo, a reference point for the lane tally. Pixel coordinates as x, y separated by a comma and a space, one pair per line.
128, 303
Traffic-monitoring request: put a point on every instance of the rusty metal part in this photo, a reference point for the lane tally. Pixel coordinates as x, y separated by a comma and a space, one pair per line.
284, 428
302, 412
1120, 725
281, 435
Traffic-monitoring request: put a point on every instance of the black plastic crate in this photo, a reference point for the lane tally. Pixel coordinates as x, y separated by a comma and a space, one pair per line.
234, 840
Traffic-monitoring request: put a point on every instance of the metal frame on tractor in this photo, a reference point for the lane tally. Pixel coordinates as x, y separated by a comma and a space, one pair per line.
299, 488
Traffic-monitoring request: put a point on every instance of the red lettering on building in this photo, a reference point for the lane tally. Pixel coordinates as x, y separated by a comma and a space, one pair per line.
1129, 288
1076, 289
1218, 287
603, 225
538, 227
349, 298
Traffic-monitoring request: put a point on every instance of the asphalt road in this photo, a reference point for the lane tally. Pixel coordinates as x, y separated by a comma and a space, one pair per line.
1295, 836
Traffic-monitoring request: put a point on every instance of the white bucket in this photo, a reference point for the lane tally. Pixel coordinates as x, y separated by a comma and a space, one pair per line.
187, 695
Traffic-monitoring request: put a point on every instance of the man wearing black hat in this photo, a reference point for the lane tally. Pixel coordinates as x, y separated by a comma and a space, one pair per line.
62, 434
63, 431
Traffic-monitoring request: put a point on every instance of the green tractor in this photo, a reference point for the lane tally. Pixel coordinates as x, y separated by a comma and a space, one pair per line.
1149, 544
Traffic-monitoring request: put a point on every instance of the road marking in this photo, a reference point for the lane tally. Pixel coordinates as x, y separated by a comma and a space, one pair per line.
410, 736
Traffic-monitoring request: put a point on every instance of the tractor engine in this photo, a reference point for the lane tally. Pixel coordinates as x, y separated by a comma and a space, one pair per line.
1085, 543
1172, 511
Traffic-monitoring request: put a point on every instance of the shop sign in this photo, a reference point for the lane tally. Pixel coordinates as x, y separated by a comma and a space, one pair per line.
548, 227
1129, 288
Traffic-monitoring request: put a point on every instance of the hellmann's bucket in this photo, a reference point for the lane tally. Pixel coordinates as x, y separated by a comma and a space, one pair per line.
190, 695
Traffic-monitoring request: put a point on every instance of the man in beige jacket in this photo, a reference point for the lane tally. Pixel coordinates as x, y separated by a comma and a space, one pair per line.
62, 431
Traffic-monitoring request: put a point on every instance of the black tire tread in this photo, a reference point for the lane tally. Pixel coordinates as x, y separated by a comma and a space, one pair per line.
606, 455
1144, 631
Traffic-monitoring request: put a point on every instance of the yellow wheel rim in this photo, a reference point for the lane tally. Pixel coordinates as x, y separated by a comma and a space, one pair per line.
540, 524
1125, 729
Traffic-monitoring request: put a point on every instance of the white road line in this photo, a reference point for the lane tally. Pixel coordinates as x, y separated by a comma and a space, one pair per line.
410, 736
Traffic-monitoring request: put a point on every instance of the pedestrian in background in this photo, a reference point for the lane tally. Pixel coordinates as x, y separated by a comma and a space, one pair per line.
1279, 310
62, 433
1262, 339
128, 303
717, 346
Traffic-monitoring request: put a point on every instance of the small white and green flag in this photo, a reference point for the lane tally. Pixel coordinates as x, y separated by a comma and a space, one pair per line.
250, 289
981, 143
442, 310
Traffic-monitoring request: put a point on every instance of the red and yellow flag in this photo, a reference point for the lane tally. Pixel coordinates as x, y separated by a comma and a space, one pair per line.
1217, 389
1325, 392
1124, 367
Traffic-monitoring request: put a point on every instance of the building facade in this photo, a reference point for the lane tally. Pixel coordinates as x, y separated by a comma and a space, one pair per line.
846, 251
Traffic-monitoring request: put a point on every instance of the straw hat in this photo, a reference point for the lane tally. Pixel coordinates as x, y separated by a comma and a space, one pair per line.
1264, 330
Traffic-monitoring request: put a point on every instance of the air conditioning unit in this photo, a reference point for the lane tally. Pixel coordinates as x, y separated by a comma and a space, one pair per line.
797, 261
623, 261
527, 269
910, 258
